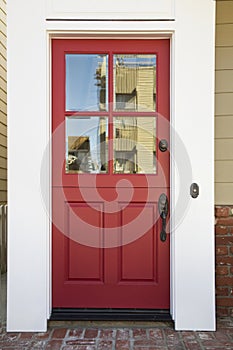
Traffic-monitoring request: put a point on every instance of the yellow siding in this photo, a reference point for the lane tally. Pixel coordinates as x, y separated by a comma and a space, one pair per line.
3, 104
224, 103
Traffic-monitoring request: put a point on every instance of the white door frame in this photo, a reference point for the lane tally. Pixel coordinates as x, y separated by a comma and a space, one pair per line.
192, 111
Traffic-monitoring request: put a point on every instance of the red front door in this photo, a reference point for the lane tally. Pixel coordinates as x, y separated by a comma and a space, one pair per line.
110, 120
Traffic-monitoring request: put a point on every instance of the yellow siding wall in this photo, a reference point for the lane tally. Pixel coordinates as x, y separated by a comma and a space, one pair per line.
3, 104
224, 103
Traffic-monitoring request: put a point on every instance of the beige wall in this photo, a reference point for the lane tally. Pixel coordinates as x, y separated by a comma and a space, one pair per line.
223, 108
3, 104
224, 103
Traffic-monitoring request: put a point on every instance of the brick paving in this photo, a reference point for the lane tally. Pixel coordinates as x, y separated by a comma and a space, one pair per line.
90, 336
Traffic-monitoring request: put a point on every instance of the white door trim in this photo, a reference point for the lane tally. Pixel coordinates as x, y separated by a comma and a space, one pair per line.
192, 117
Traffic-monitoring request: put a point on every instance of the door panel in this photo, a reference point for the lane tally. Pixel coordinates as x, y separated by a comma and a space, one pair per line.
138, 259
110, 110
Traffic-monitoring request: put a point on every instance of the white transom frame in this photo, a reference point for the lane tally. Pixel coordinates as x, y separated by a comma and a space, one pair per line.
121, 9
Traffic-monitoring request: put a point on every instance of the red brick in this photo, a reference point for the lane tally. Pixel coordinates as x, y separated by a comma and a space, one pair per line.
221, 336
224, 240
10, 336
214, 344
123, 334
91, 333
59, 333
221, 230
231, 270
225, 221
43, 335
225, 301
224, 260
170, 335
26, 336
75, 333
225, 325
105, 345
230, 230
79, 347
36, 344
192, 345
224, 281
222, 270
81, 342
222, 311
231, 250
188, 335
122, 344
10, 346
222, 211
106, 333
205, 335
54, 345
221, 251
139, 333
144, 343
222, 291
156, 334
219, 347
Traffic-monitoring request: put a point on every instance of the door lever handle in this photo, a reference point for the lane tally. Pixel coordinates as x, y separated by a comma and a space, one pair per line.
163, 212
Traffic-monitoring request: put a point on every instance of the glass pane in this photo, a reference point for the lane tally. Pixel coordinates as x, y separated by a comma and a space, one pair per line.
135, 145
86, 145
86, 82
135, 82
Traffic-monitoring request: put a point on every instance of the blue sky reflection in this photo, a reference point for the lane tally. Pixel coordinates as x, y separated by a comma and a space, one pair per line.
84, 87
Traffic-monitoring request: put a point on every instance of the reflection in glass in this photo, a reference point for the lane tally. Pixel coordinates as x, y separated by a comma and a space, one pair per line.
86, 145
86, 82
134, 145
135, 82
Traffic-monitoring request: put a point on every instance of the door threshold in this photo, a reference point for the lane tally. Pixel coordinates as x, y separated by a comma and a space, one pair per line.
68, 314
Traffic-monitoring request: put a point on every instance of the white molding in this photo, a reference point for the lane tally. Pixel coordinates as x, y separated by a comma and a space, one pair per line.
29, 230
49, 177
72, 9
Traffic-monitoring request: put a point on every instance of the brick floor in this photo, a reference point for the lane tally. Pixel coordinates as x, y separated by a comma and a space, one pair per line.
90, 336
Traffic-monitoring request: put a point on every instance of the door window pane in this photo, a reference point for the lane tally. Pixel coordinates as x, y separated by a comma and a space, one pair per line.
86, 82
134, 145
86, 145
134, 82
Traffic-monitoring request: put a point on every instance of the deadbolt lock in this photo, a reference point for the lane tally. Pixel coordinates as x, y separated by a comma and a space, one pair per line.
163, 145
194, 190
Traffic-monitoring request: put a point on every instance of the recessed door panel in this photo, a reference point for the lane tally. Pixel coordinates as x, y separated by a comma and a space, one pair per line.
138, 259
90, 264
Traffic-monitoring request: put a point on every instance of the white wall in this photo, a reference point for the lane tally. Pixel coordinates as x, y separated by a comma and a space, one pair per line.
192, 118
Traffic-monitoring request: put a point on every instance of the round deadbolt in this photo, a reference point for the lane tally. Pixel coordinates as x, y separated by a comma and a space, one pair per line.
163, 145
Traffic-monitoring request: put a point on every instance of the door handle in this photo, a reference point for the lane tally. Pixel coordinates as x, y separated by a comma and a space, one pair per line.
163, 212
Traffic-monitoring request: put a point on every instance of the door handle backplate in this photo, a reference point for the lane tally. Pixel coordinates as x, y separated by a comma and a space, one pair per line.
163, 212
